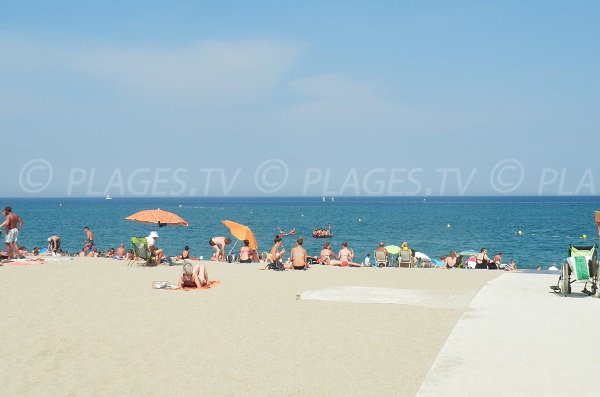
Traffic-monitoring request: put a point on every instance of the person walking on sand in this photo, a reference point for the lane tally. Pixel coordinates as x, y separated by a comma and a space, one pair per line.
219, 244
12, 224
88, 246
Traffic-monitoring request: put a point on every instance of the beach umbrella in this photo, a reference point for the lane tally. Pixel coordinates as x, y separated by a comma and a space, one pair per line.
392, 249
422, 256
468, 253
157, 216
241, 232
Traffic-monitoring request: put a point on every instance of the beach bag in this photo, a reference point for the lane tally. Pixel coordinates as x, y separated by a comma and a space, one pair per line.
277, 265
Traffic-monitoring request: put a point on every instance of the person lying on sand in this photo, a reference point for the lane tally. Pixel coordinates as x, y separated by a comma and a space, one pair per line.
193, 276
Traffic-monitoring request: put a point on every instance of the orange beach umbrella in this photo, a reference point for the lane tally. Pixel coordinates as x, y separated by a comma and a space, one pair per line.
241, 232
162, 218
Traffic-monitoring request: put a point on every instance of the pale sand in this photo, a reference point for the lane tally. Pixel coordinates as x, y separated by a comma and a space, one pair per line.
93, 326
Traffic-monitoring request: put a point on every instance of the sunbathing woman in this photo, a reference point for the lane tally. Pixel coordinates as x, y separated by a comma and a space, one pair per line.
346, 255
450, 260
276, 253
246, 253
193, 277
298, 256
326, 254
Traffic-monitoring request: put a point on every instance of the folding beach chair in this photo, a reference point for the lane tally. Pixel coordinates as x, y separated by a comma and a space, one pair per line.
381, 259
140, 250
581, 266
405, 259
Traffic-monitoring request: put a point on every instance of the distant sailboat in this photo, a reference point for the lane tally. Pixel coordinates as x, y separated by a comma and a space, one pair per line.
332, 199
323, 199
108, 197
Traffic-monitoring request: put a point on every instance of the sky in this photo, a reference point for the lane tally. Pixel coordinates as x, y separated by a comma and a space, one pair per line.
311, 98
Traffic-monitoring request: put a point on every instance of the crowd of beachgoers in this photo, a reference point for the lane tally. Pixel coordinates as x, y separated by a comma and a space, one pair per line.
148, 250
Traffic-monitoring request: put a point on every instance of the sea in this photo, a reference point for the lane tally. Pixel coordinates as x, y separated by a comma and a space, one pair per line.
533, 230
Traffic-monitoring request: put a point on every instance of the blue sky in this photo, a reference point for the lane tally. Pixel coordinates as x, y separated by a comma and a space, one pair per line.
277, 98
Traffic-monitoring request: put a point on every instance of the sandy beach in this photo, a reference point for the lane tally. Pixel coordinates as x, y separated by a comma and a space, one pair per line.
95, 326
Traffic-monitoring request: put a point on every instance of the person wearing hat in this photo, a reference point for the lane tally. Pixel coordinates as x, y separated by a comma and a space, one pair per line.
53, 244
156, 253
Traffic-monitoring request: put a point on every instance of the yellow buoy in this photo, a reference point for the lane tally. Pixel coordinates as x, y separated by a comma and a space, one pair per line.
583, 236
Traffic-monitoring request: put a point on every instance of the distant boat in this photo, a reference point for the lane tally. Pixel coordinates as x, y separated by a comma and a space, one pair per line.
333, 199
322, 233
108, 197
323, 199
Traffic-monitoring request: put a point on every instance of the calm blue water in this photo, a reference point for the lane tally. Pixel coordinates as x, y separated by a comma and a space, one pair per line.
549, 224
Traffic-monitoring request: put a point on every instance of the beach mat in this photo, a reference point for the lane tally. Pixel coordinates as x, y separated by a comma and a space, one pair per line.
423, 298
172, 287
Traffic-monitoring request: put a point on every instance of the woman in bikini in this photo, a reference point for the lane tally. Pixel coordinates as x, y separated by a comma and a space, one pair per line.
326, 254
298, 256
276, 253
346, 255
246, 253
185, 254
193, 277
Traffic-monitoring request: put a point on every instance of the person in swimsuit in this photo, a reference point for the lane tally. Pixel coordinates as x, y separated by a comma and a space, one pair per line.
346, 255
53, 244
12, 224
218, 244
276, 253
326, 254
246, 253
185, 254
298, 258
450, 260
89, 242
482, 260
121, 251
193, 276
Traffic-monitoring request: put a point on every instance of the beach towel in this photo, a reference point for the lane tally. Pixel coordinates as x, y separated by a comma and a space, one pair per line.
167, 285
581, 268
21, 262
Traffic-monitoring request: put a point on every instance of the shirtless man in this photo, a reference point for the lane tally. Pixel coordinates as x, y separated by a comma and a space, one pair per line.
121, 251
12, 224
218, 244
89, 242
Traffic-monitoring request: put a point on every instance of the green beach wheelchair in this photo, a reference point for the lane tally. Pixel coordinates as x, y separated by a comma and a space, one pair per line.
582, 267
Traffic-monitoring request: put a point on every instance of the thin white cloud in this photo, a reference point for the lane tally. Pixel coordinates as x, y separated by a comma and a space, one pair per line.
209, 72
342, 103
214, 72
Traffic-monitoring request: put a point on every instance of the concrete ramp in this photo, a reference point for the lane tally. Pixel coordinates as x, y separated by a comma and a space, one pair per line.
517, 338
424, 298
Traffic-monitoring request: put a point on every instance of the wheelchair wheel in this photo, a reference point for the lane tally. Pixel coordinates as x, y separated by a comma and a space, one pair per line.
565, 286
